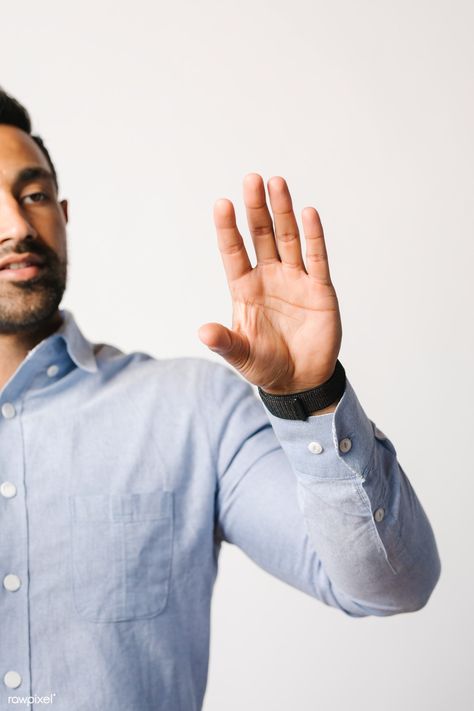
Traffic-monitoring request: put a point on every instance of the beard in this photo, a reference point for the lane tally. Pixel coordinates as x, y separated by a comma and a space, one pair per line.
29, 305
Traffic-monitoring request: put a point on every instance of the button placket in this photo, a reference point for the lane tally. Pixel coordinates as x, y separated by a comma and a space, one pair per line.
14, 521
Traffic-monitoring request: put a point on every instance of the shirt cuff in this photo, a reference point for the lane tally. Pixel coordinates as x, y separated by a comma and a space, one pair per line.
348, 433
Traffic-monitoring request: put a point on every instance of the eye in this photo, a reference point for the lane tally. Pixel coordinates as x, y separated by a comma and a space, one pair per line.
35, 198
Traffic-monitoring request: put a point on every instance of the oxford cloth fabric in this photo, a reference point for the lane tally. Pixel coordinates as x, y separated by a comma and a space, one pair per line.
120, 477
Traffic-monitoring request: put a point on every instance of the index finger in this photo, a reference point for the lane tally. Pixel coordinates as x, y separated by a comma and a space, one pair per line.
231, 245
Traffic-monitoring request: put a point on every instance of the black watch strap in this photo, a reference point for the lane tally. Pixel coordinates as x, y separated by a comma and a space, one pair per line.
298, 406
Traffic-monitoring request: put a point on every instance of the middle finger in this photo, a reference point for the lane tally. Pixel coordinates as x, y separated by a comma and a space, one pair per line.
286, 227
259, 220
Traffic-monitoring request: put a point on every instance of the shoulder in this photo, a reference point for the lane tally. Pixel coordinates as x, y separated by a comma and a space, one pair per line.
181, 374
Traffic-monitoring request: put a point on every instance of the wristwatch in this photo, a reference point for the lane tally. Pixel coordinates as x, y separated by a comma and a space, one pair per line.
299, 405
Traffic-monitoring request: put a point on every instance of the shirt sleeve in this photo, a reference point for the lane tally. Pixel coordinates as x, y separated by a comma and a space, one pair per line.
322, 504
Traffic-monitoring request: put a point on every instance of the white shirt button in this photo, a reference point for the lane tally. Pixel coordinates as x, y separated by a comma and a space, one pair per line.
7, 489
315, 448
12, 679
345, 444
11, 582
52, 371
8, 410
379, 515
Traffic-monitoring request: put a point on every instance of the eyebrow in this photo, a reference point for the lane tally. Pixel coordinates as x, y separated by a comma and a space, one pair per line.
28, 175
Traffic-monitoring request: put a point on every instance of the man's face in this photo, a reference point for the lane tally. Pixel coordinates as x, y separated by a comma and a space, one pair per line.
33, 253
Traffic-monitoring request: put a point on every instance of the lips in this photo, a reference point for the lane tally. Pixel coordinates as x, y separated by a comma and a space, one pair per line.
17, 265
21, 268
16, 262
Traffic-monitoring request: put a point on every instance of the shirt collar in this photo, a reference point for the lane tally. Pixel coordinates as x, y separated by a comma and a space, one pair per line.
80, 350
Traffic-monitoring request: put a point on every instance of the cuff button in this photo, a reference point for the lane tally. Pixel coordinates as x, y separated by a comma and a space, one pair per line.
379, 515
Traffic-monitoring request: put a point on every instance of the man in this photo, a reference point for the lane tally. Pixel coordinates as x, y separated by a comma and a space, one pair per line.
122, 474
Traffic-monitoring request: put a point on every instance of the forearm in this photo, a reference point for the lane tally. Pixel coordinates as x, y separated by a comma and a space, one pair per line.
362, 515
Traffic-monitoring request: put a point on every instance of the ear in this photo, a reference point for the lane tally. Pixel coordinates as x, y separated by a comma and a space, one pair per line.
64, 207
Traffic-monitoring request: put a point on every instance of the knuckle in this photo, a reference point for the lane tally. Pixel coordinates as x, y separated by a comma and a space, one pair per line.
260, 230
287, 237
292, 266
230, 249
316, 257
265, 261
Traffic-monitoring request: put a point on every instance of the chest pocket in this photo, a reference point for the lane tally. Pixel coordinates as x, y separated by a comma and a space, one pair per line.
121, 554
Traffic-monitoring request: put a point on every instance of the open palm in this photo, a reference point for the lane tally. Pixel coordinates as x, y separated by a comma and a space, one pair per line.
286, 326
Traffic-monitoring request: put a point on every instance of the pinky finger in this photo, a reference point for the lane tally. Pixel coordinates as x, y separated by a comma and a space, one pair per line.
317, 264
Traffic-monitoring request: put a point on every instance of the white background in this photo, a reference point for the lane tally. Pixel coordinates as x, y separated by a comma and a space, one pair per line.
153, 110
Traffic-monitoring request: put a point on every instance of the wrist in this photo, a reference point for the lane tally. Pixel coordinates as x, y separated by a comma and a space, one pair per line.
293, 388
326, 410
314, 401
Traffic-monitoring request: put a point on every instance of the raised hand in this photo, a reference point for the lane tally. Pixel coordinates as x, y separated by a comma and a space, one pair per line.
286, 326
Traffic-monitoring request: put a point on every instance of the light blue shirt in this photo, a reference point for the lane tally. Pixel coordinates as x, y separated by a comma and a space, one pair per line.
121, 475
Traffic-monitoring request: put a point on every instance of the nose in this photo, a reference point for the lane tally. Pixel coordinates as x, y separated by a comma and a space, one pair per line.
13, 223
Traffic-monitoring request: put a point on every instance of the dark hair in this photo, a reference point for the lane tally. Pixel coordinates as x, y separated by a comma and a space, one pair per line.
13, 113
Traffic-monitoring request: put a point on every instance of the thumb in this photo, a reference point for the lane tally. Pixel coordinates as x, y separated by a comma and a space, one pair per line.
229, 344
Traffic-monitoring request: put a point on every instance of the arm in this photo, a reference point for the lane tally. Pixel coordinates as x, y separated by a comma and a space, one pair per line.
308, 518
369, 541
